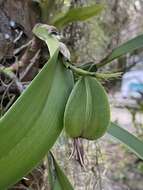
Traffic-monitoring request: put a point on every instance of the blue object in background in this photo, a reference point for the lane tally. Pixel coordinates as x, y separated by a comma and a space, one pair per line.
132, 84
137, 87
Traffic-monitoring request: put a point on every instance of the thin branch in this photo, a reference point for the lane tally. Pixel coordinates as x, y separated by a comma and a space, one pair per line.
12, 77
33, 46
32, 62
18, 50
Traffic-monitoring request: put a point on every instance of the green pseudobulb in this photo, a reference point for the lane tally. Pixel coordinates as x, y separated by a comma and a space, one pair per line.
87, 113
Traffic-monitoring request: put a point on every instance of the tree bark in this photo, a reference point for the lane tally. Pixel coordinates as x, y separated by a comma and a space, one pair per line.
21, 12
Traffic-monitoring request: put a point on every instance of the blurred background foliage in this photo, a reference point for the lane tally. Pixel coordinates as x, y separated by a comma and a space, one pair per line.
108, 165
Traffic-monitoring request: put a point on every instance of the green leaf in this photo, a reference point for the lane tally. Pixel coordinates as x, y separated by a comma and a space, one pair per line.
131, 141
77, 14
58, 179
32, 125
128, 47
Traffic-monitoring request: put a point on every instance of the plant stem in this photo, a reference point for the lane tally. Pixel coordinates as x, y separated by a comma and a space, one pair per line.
93, 74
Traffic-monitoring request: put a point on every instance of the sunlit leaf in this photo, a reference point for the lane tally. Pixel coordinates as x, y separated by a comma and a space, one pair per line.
58, 179
32, 125
77, 14
131, 141
128, 47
